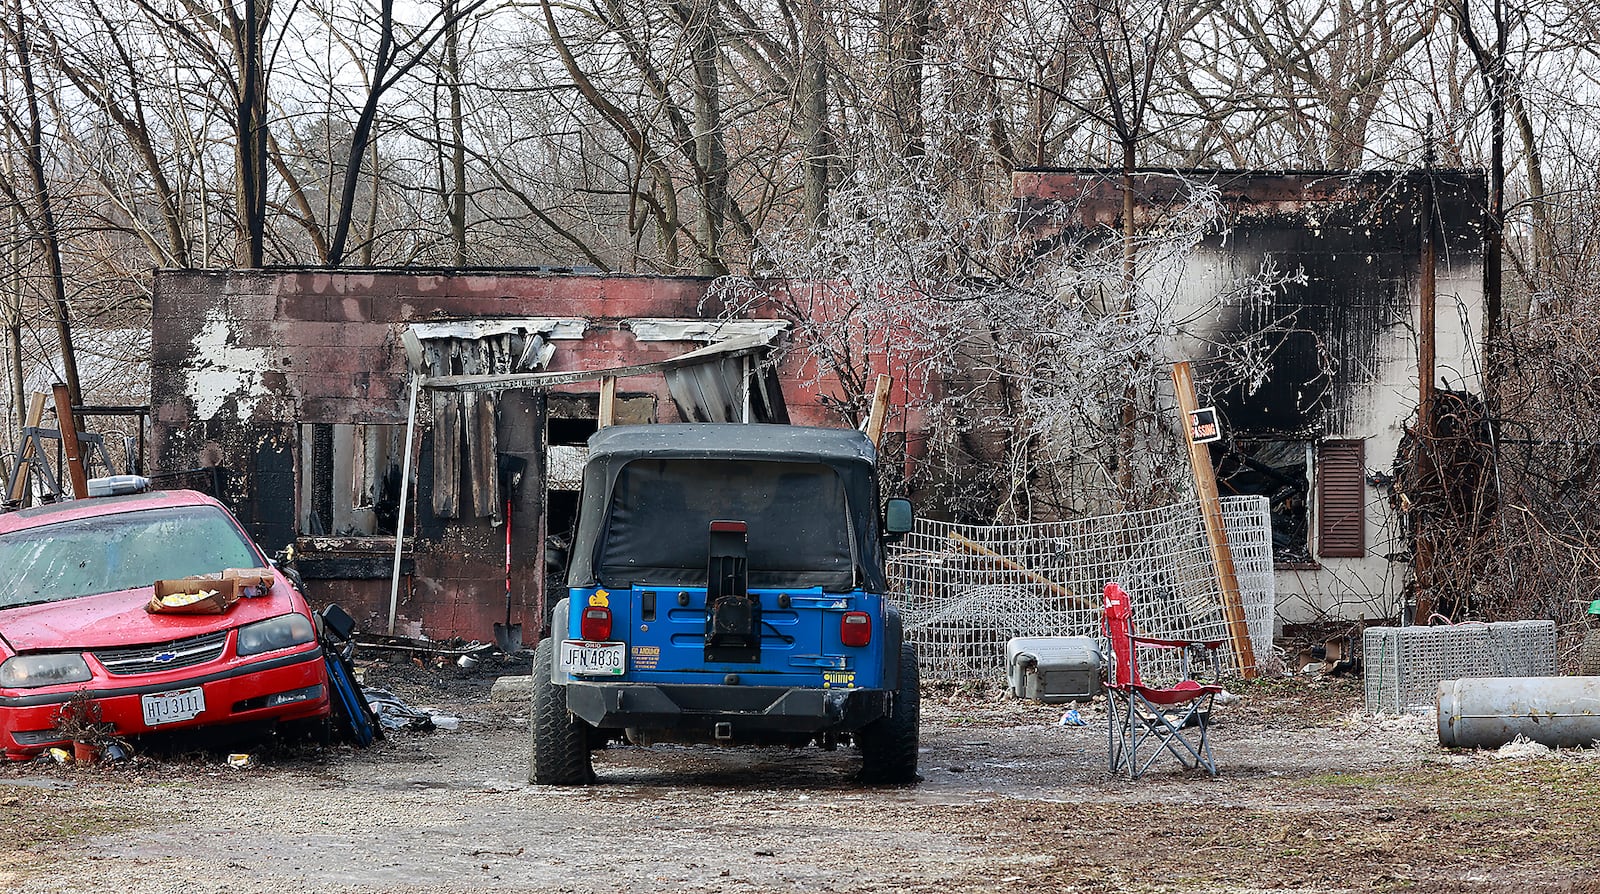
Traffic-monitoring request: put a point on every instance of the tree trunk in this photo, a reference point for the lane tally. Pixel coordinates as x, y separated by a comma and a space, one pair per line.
813, 114
45, 227
19, 396
14, 376
1494, 238
905, 24
361, 140
1127, 435
13, 316
392, 61
1504, 99
458, 148
701, 35
251, 130
372, 209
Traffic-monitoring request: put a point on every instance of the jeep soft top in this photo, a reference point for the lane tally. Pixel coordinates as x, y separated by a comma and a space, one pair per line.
726, 585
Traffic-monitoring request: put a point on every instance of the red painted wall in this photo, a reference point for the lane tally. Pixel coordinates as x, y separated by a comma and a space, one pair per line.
240, 358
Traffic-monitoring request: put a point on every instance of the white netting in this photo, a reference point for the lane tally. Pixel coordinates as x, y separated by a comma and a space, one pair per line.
964, 589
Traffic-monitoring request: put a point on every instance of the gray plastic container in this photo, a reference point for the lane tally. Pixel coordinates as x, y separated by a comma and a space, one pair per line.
1053, 669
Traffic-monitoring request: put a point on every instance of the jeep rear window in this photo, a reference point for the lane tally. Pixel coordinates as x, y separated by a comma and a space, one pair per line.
658, 527
108, 553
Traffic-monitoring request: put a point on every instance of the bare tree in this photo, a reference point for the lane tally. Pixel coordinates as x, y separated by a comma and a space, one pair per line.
905, 33
458, 147
30, 132
395, 56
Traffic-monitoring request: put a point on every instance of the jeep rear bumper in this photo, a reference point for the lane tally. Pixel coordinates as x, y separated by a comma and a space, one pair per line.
747, 709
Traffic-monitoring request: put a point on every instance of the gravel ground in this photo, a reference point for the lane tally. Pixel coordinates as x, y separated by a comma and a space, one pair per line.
1313, 795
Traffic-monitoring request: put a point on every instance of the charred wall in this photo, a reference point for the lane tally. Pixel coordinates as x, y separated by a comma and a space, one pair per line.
1300, 306
1340, 252
243, 361
1350, 260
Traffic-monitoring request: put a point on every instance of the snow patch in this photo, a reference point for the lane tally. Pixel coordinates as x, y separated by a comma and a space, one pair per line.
1522, 748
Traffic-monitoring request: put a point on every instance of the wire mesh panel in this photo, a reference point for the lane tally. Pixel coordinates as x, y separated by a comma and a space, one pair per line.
1524, 648
1404, 665
965, 590
1248, 521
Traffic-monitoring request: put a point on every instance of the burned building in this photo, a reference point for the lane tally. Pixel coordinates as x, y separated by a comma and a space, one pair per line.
295, 384
1312, 284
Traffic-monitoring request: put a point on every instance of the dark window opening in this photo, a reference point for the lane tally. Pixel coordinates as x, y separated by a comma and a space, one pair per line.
563, 513
571, 432
1279, 471
349, 479
561, 520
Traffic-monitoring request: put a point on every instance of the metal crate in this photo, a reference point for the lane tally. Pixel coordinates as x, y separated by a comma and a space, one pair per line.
1404, 665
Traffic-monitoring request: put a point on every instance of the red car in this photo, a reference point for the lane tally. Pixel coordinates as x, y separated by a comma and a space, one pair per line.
75, 578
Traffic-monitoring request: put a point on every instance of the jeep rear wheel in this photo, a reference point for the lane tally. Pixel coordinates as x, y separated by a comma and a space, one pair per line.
560, 741
889, 744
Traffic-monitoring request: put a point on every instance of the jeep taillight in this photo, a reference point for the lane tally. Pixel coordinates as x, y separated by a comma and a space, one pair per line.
596, 624
855, 628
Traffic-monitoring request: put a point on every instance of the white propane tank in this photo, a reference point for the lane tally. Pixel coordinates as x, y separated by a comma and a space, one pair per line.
1487, 712
118, 485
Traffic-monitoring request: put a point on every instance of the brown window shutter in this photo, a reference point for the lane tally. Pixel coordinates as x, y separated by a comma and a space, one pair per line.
1341, 499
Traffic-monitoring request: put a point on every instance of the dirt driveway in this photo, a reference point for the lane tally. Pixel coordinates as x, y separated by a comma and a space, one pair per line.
1313, 796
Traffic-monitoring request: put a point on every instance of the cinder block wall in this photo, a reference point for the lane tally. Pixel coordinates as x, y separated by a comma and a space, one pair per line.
241, 359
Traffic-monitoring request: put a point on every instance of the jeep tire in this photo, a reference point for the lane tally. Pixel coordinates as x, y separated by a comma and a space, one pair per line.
889, 744
560, 741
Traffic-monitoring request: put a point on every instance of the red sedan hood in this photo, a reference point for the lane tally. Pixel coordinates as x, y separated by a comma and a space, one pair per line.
119, 619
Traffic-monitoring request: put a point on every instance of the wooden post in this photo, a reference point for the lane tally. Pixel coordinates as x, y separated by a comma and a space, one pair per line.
1205, 485
541, 485
608, 402
979, 549
1427, 299
73, 451
25, 458
879, 411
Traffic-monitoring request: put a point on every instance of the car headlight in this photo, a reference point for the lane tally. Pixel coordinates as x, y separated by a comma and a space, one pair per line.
32, 671
275, 633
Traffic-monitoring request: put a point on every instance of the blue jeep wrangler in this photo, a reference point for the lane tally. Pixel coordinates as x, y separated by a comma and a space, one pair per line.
726, 586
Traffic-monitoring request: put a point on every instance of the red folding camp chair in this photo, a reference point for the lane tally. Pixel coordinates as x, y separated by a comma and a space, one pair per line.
1146, 721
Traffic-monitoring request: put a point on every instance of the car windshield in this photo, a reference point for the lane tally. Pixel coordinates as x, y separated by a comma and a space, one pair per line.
108, 553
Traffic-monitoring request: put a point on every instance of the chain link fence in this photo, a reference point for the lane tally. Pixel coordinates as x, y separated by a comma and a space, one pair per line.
964, 590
